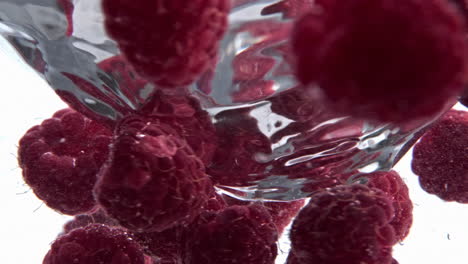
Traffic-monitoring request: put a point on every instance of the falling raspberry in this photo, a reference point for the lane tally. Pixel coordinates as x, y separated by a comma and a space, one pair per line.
170, 42
387, 60
345, 224
393, 185
245, 234
440, 158
152, 180
96, 244
60, 160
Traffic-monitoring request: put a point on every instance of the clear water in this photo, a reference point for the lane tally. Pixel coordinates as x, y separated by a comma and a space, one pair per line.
252, 82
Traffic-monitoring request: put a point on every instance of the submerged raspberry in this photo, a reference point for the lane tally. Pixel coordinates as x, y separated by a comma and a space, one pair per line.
344, 225
281, 212
393, 185
152, 180
243, 234
60, 160
185, 115
96, 244
170, 42
383, 59
440, 158
240, 142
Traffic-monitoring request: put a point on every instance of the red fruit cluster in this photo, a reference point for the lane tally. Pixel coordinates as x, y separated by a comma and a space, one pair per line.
440, 158
384, 60
345, 225
152, 180
244, 234
60, 160
96, 244
170, 42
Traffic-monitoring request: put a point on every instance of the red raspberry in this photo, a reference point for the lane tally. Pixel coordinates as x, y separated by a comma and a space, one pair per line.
383, 59
345, 225
440, 158
281, 212
169, 42
67, 6
240, 141
60, 160
96, 244
185, 115
167, 246
98, 217
241, 233
152, 180
393, 185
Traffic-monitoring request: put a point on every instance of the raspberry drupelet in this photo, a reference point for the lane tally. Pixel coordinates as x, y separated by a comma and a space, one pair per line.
96, 243
152, 180
237, 234
344, 225
170, 42
393, 185
61, 158
440, 158
384, 60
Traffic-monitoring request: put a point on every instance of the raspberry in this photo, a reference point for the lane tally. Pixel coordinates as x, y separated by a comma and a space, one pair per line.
244, 234
60, 160
169, 42
385, 60
95, 244
167, 245
67, 6
281, 212
98, 217
186, 116
240, 141
440, 158
152, 180
395, 188
344, 225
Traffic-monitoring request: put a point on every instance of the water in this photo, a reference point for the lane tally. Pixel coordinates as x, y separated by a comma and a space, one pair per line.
288, 144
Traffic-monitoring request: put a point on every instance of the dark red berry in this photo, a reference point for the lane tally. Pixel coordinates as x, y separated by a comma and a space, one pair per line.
393, 185
152, 180
244, 234
60, 160
185, 115
440, 158
385, 60
345, 225
169, 42
96, 244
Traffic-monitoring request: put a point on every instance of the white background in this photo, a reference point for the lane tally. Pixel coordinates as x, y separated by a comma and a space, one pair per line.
27, 227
